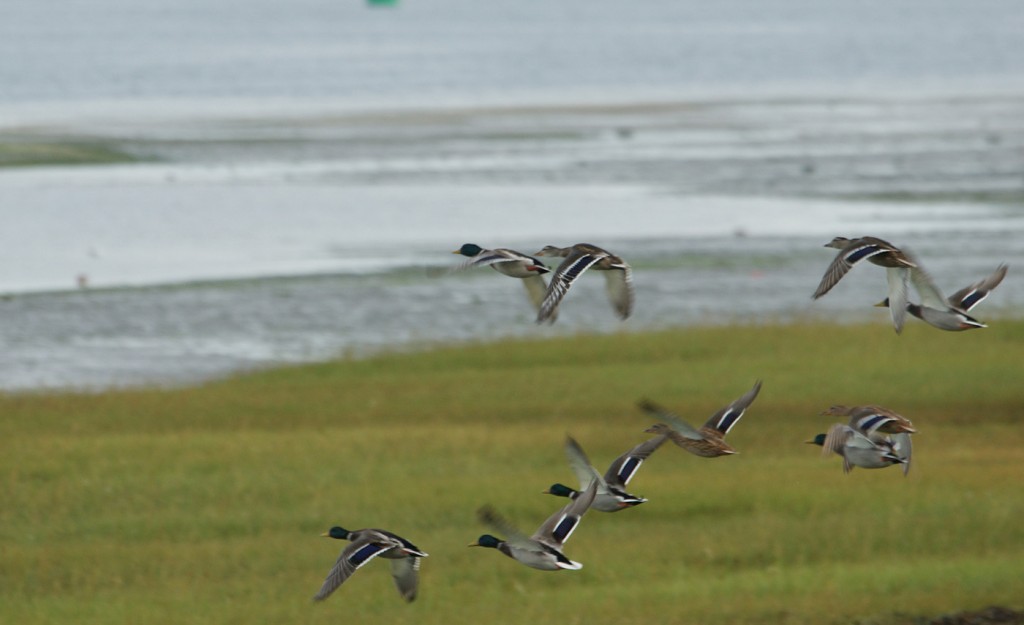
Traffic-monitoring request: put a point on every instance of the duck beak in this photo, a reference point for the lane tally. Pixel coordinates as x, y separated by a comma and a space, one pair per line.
456, 252
326, 535
882, 304
473, 545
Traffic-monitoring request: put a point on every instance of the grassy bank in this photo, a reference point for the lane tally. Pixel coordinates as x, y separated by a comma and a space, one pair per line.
29, 153
204, 505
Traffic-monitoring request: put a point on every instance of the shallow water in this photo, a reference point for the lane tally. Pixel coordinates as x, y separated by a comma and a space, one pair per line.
303, 174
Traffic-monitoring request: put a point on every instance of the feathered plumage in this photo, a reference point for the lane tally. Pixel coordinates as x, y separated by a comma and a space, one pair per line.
510, 263
366, 545
879, 252
709, 440
578, 258
858, 450
611, 487
542, 550
949, 313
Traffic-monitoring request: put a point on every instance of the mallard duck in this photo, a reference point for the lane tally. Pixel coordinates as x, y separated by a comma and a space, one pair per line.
880, 425
366, 545
870, 419
949, 313
858, 450
878, 252
709, 440
611, 488
578, 258
543, 550
511, 263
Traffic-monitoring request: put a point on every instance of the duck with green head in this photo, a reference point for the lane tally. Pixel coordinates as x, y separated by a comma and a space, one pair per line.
611, 487
880, 425
510, 263
366, 545
858, 450
542, 550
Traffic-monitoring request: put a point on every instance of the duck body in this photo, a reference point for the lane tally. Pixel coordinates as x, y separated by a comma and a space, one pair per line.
950, 314
882, 426
367, 544
510, 263
870, 419
578, 259
879, 252
858, 450
709, 440
611, 495
542, 550
503, 260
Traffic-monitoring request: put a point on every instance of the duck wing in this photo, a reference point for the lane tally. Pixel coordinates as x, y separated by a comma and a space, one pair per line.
585, 472
405, 572
857, 251
681, 427
968, 297
619, 285
724, 419
536, 289
897, 277
902, 447
625, 466
872, 421
513, 536
560, 525
564, 277
931, 296
368, 546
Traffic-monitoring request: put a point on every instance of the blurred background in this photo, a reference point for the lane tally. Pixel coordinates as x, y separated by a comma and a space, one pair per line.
189, 188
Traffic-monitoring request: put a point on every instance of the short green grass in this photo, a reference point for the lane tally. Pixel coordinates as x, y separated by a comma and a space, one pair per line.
205, 504
30, 153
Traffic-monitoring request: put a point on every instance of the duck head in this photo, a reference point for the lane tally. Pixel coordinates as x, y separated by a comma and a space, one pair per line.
561, 490
337, 532
469, 249
817, 440
486, 541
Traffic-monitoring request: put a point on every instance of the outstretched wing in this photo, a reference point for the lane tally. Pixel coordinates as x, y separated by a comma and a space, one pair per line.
353, 556
625, 466
619, 284
585, 472
902, 447
405, 571
560, 525
873, 420
849, 256
724, 419
931, 296
681, 427
490, 517
968, 297
536, 289
836, 438
563, 278
897, 279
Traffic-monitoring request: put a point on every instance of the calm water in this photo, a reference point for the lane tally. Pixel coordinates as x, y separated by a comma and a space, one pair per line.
152, 49
308, 167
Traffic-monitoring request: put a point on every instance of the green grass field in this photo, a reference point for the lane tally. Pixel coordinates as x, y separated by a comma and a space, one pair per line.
205, 505
21, 152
